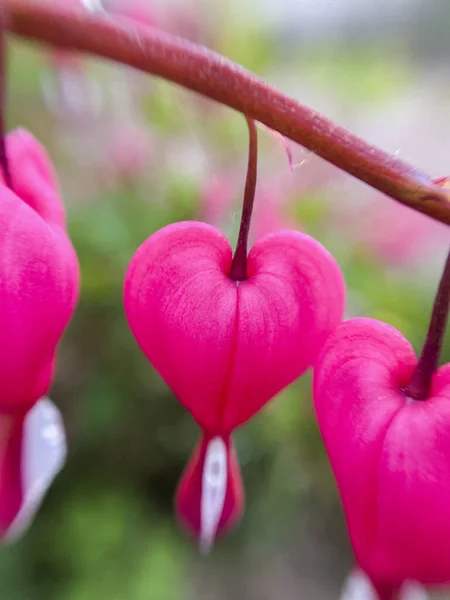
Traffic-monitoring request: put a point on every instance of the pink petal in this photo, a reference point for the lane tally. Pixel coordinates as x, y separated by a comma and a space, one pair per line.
39, 276
291, 302
390, 455
413, 476
181, 307
33, 176
226, 348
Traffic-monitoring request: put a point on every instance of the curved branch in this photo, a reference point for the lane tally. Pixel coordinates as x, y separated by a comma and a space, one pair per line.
212, 75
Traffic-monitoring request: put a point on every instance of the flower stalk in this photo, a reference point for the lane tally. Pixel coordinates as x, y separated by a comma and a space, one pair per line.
419, 386
239, 265
201, 70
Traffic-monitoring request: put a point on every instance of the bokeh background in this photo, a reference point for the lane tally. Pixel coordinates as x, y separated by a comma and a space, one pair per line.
135, 153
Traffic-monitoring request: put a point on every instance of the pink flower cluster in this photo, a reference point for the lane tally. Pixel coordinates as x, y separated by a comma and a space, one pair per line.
226, 347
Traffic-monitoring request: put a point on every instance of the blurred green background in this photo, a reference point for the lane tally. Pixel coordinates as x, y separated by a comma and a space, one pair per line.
134, 154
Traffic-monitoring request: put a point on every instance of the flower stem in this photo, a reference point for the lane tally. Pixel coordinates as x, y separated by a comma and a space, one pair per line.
201, 70
3, 154
239, 265
419, 386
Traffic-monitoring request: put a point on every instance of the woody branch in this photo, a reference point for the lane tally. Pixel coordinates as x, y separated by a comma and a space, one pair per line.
203, 71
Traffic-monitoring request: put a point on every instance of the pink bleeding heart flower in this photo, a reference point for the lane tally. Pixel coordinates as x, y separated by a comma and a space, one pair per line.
390, 454
38, 292
226, 347
400, 235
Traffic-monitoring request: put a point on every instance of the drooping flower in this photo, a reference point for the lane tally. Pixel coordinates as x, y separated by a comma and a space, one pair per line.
39, 281
390, 454
226, 347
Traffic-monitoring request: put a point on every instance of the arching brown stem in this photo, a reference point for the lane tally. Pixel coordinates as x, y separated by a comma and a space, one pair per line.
212, 75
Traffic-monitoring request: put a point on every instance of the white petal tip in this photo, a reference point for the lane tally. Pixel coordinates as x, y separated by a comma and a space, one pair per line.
358, 587
43, 455
413, 591
214, 488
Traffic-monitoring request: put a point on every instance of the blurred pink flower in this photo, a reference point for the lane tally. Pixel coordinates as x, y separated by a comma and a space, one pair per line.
400, 235
269, 215
130, 149
143, 11
181, 18
219, 197
69, 91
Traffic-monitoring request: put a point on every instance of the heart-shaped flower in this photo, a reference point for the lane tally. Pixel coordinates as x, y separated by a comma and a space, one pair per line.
226, 347
390, 454
39, 281
39, 276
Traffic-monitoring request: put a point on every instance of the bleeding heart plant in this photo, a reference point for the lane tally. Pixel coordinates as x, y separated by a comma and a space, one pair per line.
227, 334
39, 283
385, 420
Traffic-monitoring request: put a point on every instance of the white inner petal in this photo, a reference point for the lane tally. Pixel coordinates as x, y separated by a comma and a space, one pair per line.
413, 591
214, 488
359, 587
43, 455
